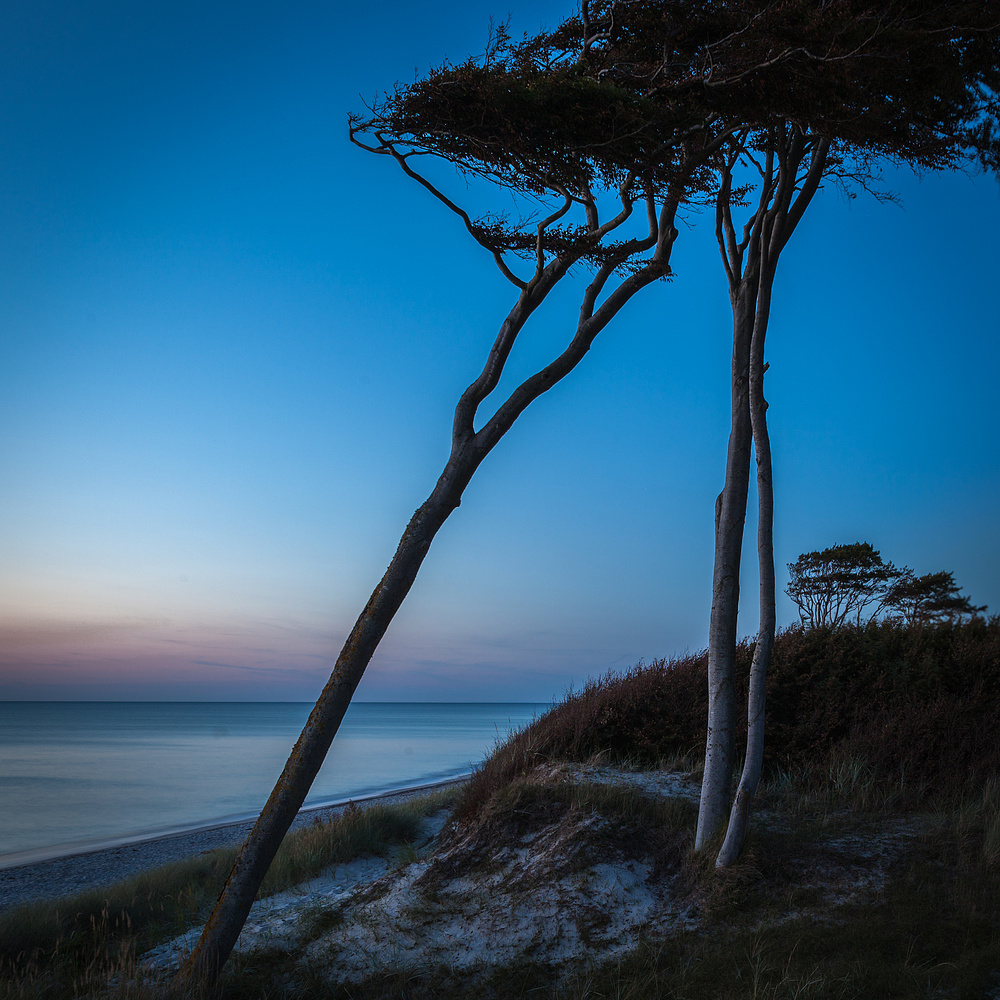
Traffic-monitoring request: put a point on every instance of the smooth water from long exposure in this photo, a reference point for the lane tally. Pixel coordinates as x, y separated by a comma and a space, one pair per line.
79, 772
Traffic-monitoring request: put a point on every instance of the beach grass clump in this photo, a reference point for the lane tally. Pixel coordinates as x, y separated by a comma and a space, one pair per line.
73, 946
356, 832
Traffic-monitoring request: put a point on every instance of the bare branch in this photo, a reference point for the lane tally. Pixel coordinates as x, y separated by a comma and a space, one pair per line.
809, 187
587, 329
590, 205
724, 233
545, 223
389, 148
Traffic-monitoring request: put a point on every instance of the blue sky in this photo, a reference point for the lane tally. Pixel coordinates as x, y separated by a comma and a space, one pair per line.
231, 343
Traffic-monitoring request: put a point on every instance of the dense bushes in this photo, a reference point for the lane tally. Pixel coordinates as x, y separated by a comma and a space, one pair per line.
919, 701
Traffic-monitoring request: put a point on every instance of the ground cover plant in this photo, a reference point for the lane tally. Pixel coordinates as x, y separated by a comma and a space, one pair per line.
917, 917
71, 946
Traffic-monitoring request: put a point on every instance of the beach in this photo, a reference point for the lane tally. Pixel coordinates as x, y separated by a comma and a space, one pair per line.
80, 871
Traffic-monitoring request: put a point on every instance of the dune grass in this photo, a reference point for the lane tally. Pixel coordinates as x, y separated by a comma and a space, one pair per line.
932, 932
909, 713
72, 946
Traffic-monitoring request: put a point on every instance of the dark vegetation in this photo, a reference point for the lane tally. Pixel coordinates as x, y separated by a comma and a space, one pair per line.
918, 704
883, 737
852, 584
69, 947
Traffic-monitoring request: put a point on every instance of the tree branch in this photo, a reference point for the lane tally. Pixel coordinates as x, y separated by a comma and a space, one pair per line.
387, 148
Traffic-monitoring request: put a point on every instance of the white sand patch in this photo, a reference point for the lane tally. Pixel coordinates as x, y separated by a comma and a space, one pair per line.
543, 896
509, 913
275, 921
653, 784
544, 881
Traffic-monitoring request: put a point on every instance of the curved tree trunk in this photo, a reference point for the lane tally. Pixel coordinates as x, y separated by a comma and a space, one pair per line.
749, 779
730, 515
469, 448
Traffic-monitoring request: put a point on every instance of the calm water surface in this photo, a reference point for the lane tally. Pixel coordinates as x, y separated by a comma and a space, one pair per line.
73, 772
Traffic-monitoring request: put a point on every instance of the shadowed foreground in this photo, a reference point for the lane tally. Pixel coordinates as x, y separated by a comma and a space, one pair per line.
565, 866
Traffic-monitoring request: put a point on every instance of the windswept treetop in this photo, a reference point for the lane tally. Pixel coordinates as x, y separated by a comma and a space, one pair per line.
636, 96
915, 80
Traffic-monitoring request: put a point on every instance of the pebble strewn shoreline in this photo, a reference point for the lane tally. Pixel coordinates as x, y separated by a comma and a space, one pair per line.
76, 873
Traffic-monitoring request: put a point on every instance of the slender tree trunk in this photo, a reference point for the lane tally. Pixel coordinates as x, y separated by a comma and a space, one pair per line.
227, 919
730, 515
469, 448
740, 816
777, 214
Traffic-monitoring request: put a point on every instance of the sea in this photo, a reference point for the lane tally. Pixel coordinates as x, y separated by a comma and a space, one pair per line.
78, 775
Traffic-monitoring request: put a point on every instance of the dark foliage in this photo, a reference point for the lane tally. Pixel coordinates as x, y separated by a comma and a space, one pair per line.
933, 597
638, 88
837, 585
901, 78
840, 584
628, 716
919, 702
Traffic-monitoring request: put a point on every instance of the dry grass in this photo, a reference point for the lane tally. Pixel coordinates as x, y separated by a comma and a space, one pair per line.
904, 715
75, 946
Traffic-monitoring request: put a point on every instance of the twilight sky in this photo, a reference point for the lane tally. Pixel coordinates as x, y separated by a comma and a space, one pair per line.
231, 343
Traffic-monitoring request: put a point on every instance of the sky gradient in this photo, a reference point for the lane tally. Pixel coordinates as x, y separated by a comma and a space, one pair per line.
232, 343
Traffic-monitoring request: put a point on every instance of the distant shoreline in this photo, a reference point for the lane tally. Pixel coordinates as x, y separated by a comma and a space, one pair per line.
65, 870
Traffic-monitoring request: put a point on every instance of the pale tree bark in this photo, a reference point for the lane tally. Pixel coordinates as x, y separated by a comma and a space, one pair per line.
730, 512
749, 261
730, 516
469, 448
753, 762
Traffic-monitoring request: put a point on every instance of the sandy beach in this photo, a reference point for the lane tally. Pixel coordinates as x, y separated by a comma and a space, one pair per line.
91, 868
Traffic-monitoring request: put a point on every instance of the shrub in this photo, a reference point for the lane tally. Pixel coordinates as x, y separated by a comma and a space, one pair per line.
922, 702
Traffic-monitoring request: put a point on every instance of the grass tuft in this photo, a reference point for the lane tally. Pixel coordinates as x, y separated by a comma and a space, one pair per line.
77, 945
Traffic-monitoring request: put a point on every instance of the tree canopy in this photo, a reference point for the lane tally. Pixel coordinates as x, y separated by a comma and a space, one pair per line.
836, 585
850, 584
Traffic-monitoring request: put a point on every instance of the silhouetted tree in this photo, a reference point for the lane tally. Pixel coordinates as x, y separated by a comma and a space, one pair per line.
524, 117
835, 86
634, 103
838, 584
930, 599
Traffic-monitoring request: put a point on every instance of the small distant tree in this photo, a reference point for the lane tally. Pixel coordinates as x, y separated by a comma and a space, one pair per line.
827, 89
931, 599
838, 584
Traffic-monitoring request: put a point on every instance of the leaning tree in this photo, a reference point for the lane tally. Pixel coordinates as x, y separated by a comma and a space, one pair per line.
543, 119
525, 117
831, 89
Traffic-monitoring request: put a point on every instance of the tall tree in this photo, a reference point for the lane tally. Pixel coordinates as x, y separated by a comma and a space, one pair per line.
836, 87
522, 116
784, 198
634, 102
790, 168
